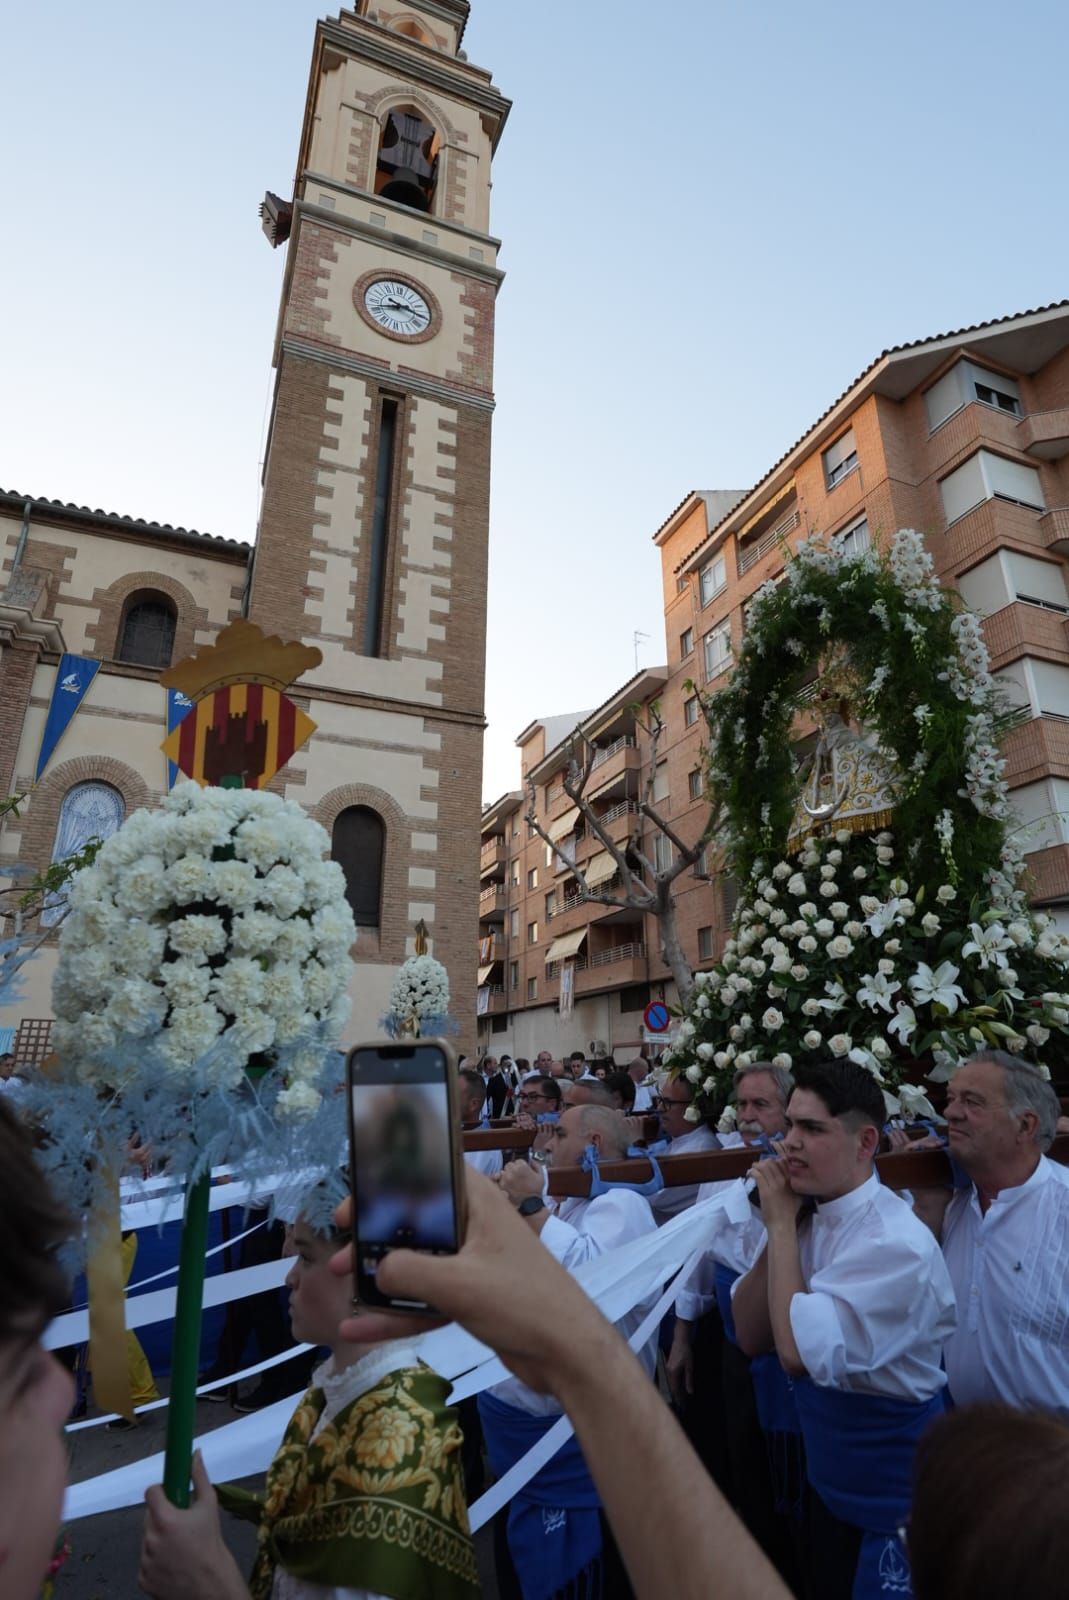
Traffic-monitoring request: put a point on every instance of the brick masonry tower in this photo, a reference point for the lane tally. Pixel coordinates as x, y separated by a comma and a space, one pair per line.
372, 541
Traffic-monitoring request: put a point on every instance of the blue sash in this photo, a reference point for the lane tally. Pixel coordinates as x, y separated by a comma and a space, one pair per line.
859, 1450
554, 1531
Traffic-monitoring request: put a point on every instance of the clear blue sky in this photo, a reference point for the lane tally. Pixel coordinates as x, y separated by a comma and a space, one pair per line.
714, 216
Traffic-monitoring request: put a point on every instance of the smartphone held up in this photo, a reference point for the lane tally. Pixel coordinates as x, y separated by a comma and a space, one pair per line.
406, 1166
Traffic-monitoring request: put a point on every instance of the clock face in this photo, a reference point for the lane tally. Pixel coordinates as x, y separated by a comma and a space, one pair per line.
397, 307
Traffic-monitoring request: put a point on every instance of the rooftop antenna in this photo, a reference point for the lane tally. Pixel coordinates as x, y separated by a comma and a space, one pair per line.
635, 637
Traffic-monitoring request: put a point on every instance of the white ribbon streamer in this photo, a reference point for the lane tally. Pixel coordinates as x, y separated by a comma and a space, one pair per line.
73, 1326
204, 1388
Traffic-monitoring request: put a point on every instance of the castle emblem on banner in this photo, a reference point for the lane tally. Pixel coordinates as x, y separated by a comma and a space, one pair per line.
242, 727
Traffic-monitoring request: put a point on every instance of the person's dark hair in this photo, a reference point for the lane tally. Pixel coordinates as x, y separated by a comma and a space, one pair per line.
577, 1055
622, 1084
545, 1085
473, 1079
988, 1513
33, 1227
845, 1088
522, 1064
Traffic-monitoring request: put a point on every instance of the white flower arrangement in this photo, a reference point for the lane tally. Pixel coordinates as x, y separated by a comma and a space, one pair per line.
213, 931
420, 990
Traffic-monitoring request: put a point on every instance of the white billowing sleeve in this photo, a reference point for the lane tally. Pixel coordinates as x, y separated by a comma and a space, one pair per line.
884, 1311
486, 1161
735, 1244
611, 1220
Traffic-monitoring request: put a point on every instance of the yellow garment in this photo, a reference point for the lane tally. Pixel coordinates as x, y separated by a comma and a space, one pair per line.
142, 1383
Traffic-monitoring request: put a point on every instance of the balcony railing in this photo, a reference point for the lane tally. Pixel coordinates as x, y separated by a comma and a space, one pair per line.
622, 808
603, 958
623, 743
751, 554
554, 793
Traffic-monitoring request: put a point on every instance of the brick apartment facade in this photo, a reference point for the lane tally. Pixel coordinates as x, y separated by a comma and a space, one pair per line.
373, 533
965, 437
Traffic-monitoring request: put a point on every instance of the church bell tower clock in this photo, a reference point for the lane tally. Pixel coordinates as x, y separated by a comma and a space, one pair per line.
372, 543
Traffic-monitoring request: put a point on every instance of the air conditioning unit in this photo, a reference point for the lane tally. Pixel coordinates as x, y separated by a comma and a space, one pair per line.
597, 1047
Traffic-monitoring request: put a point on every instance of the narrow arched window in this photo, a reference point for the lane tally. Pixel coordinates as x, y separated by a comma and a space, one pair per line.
407, 166
146, 637
358, 844
89, 811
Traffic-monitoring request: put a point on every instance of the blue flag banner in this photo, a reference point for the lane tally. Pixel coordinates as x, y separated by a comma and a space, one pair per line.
73, 677
177, 706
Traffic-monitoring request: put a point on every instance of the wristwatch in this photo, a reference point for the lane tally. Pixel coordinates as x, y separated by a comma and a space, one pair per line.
531, 1206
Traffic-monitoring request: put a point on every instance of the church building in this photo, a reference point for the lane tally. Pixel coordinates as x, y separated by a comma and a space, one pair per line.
372, 541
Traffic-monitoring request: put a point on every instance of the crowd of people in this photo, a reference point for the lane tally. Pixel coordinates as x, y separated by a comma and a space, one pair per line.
862, 1391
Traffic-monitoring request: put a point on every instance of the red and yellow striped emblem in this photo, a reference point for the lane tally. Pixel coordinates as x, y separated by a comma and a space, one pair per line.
247, 731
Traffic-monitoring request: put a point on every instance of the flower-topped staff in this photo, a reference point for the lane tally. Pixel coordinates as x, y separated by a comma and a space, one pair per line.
419, 999
883, 944
202, 986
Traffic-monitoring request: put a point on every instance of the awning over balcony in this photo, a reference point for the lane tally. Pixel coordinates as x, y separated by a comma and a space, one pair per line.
484, 972
569, 944
599, 869
561, 826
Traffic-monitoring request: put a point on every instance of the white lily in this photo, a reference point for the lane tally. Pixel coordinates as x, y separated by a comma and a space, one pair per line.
989, 944
914, 1101
937, 988
904, 1022
889, 915
876, 990
865, 1058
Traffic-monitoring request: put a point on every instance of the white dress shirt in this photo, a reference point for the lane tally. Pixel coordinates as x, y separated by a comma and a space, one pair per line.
879, 1303
735, 1244
339, 1389
487, 1161
1010, 1271
670, 1202
578, 1231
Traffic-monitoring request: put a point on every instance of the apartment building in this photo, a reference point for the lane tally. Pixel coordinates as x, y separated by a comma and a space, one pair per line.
964, 437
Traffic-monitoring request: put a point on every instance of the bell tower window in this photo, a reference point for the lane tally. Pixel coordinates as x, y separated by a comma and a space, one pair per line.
407, 168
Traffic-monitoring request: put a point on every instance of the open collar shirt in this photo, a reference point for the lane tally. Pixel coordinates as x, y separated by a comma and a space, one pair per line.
1010, 1271
879, 1302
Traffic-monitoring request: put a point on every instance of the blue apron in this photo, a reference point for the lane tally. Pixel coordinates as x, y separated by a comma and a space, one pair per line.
554, 1529
859, 1450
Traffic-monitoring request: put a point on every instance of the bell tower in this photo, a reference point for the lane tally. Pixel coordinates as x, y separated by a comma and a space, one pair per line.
372, 541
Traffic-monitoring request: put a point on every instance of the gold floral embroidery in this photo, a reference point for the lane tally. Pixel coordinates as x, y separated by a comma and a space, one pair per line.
386, 1438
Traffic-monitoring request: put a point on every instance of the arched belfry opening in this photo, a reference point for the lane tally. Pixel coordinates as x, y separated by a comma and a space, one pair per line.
407, 168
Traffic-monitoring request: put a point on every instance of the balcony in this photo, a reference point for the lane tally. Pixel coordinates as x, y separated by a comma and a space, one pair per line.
1045, 434
1050, 873
751, 554
492, 905
983, 530
1037, 749
605, 969
493, 856
1054, 528
611, 767
491, 1001
491, 948
1021, 629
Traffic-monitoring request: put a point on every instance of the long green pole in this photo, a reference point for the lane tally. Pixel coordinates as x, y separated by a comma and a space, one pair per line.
185, 1350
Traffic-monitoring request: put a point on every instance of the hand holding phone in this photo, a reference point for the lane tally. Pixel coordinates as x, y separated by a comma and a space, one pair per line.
406, 1162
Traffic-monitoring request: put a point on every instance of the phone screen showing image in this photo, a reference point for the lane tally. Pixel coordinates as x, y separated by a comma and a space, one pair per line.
402, 1157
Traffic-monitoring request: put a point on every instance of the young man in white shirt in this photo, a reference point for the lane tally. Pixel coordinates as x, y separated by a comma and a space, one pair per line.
1006, 1238
857, 1304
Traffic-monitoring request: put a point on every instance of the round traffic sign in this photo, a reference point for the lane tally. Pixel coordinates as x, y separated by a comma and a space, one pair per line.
656, 1016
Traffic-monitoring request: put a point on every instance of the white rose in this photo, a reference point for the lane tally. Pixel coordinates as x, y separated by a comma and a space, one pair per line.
1020, 933
743, 985
728, 995
884, 856
906, 907
694, 1074
829, 889
807, 944
778, 918
811, 1008
762, 908
1037, 1034
840, 947
854, 930
843, 836
799, 973
869, 904
839, 910
880, 1048
859, 874
808, 909
812, 1040
945, 893
705, 1052
775, 992
824, 928
898, 886
772, 1019
723, 1059
781, 963
840, 1044
1007, 978
885, 966
827, 873
893, 946
782, 1059
930, 923
797, 886
781, 870
885, 838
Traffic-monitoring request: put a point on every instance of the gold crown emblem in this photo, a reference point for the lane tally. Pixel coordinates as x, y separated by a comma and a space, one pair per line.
241, 654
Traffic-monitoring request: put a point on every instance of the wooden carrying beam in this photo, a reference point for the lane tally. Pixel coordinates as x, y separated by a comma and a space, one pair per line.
899, 1169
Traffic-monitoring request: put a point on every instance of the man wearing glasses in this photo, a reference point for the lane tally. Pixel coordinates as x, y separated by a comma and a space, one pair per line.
539, 1097
685, 1136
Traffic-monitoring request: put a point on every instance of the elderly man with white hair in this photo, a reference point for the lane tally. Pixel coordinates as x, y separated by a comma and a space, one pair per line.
1005, 1237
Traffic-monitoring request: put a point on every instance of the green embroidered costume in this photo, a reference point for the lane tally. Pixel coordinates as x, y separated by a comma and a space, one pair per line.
375, 1500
